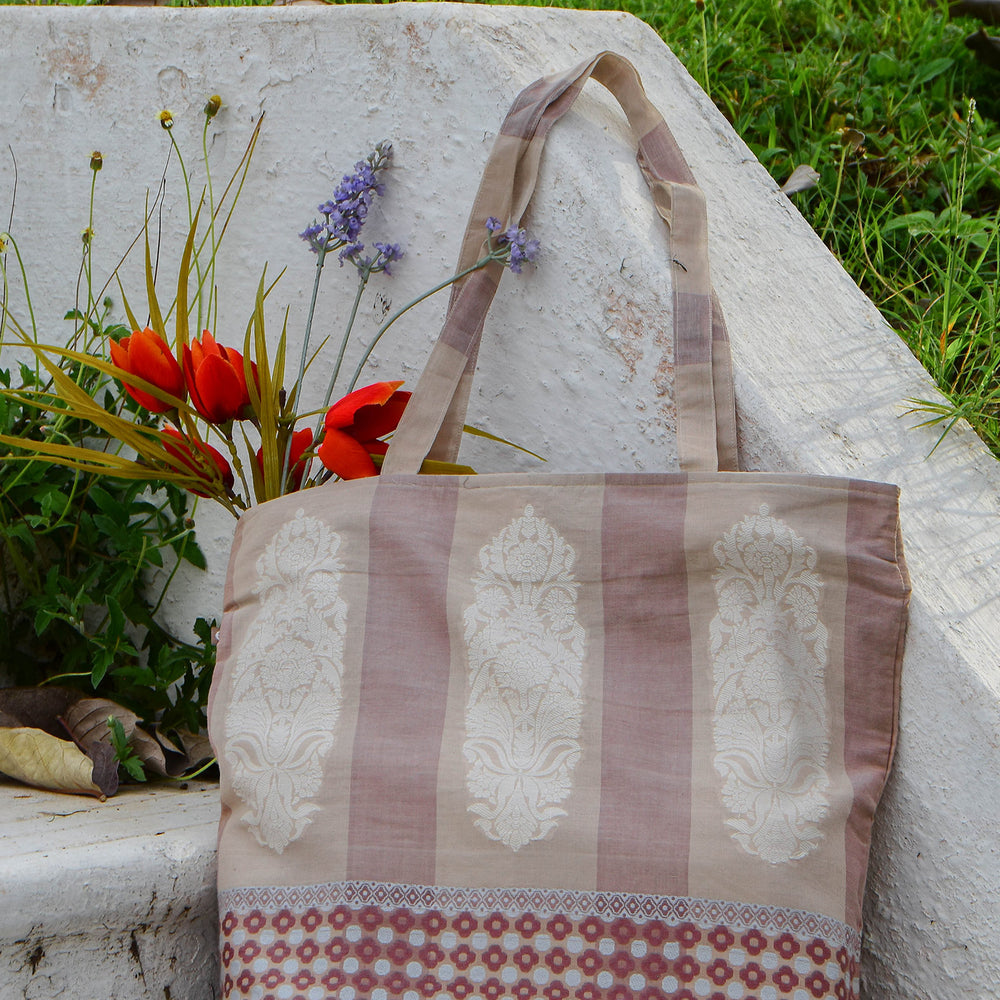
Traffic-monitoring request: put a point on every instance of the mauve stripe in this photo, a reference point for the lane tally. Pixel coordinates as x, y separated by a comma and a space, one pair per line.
468, 314
404, 686
877, 593
644, 826
542, 98
693, 325
659, 152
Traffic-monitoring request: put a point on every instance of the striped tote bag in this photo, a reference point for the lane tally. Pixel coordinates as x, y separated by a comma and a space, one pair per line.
564, 737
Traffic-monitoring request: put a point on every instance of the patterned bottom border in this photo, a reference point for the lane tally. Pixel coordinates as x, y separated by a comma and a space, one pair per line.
376, 941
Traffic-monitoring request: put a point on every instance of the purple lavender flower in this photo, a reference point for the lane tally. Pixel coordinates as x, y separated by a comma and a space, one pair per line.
344, 215
385, 254
513, 246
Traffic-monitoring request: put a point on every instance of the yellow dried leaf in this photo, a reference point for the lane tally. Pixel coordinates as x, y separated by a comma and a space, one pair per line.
36, 758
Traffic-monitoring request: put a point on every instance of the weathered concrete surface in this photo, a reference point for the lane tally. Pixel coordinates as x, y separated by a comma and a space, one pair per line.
108, 899
573, 350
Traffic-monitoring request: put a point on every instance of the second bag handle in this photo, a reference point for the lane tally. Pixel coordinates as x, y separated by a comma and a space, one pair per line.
431, 426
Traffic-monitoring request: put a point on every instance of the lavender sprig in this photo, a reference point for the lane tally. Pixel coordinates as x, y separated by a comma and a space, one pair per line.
519, 248
385, 254
345, 213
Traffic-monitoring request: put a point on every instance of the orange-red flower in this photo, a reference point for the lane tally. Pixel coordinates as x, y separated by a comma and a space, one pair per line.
354, 426
184, 452
300, 442
216, 380
146, 355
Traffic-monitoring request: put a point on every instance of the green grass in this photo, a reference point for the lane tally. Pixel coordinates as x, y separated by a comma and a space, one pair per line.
877, 99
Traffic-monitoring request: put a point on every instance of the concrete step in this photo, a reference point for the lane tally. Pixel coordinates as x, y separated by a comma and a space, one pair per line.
110, 899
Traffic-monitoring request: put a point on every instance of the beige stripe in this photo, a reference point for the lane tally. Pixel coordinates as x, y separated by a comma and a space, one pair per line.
566, 856
725, 395
320, 853
719, 866
695, 404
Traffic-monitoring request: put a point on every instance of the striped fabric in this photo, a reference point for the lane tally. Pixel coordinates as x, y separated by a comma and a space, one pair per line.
591, 737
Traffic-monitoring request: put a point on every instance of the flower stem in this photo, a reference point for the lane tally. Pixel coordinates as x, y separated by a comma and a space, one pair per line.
320, 259
187, 191
497, 254
362, 283
211, 223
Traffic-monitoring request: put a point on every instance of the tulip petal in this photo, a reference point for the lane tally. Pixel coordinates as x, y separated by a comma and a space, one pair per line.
342, 413
301, 440
151, 359
345, 457
145, 345
373, 421
119, 352
183, 452
218, 390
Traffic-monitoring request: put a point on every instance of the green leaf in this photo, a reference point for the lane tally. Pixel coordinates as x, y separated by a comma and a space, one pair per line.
43, 618
186, 548
477, 432
116, 617
931, 70
883, 66
54, 503
109, 505
103, 659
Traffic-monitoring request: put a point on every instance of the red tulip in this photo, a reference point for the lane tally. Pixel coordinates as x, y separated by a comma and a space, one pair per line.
300, 442
183, 452
217, 380
354, 425
146, 355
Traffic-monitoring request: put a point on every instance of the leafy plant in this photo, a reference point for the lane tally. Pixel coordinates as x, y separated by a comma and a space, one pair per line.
78, 550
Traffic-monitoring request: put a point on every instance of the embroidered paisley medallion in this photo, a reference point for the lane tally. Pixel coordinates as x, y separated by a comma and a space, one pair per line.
281, 720
769, 654
524, 707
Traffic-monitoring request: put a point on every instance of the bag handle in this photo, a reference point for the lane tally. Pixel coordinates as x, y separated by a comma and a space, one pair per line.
431, 426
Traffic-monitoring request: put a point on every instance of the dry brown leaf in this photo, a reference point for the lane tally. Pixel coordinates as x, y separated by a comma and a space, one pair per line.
196, 746
88, 722
36, 758
38, 707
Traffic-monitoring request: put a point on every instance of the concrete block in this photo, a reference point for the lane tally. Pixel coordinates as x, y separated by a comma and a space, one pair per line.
574, 355
108, 899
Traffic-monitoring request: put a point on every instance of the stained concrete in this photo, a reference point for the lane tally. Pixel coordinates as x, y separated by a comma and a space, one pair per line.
575, 363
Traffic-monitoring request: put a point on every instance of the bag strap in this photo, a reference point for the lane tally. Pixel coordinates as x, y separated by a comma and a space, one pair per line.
432, 423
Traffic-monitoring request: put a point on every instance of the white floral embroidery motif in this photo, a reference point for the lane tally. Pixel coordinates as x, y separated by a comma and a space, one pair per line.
280, 722
769, 650
525, 697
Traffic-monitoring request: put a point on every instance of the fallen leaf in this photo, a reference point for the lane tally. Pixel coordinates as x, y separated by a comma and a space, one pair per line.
88, 723
196, 747
988, 11
802, 178
45, 761
985, 47
39, 707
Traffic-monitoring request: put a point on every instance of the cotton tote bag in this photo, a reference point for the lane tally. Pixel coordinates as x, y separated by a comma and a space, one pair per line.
558, 736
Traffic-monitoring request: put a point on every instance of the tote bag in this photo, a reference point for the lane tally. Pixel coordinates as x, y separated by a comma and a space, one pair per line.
558, 736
